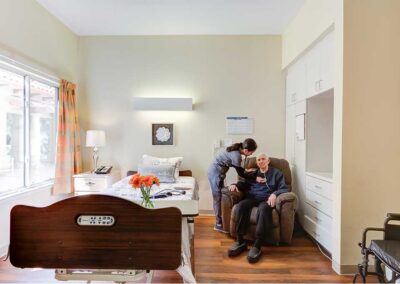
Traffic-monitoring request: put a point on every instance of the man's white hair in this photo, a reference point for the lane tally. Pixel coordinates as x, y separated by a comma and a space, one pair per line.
262, 155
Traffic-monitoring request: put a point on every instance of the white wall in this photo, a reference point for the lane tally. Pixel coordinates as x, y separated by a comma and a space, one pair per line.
32, 36
225, 75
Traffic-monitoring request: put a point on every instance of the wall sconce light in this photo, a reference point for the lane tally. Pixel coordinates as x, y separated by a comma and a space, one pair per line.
176, 104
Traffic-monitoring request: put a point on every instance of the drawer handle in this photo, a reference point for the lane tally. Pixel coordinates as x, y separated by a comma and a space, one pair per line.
89, 183
317, 202
318, 186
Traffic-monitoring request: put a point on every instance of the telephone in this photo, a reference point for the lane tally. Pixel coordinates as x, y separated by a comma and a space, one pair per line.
103, 170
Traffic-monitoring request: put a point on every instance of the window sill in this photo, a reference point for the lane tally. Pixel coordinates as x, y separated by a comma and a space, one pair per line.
27, 191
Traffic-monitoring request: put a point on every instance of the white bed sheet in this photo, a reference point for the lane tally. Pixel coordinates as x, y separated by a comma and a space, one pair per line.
187, 203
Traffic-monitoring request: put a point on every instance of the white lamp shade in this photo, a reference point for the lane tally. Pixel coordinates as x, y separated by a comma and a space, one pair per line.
140, 103
95, 138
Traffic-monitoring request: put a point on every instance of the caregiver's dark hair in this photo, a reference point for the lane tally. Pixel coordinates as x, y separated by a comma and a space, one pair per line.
248, 144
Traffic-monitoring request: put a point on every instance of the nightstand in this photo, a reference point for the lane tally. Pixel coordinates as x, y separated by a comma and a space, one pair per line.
89, 182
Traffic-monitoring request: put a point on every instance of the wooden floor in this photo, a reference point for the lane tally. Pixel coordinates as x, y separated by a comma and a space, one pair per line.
300, 262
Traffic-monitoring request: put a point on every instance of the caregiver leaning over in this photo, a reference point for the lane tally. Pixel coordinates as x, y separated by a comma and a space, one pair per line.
230, 157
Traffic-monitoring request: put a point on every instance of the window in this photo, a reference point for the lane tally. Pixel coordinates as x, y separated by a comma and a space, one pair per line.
28, 127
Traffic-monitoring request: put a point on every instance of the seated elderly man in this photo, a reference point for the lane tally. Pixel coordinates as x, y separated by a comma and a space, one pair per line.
262, 190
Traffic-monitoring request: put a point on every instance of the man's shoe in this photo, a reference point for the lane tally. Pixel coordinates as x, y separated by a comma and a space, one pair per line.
219, 228
254, 255
237, 248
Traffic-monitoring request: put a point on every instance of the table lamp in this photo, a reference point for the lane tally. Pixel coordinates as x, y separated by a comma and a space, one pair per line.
95, 139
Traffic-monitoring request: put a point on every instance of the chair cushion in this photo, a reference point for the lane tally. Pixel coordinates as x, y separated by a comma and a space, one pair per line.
253, 217
388, 251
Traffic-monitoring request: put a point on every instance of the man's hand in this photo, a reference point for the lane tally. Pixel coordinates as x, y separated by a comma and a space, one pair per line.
261, 180
233, 187
272, 200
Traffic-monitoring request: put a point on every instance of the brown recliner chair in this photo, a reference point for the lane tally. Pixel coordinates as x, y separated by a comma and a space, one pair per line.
282, 215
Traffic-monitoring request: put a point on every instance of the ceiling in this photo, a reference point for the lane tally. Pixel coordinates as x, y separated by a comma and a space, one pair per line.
174, 17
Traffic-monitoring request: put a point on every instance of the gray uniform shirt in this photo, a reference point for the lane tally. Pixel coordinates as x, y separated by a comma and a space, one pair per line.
222, 162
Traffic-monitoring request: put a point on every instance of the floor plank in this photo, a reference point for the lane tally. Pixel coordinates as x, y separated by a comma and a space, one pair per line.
300, 262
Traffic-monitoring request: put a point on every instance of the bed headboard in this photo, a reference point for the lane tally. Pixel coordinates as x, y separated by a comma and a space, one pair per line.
184, 173
62, 235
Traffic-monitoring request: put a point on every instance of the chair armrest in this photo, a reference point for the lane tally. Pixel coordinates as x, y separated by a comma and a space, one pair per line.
364, 237
393, 216
230, 198
288, 197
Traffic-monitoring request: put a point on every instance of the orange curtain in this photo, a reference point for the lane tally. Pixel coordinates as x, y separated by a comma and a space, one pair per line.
68, 159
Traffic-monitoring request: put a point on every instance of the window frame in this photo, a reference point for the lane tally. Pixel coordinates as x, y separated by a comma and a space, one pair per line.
29, 74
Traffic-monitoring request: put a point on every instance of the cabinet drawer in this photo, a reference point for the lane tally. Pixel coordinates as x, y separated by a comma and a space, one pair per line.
319, 186
90, 184
318, 233
318, 217
319, 202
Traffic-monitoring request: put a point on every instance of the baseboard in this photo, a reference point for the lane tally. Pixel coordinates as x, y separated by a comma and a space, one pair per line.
206, 212
348, 269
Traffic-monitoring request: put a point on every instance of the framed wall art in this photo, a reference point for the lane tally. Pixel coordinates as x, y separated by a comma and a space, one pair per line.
162, 134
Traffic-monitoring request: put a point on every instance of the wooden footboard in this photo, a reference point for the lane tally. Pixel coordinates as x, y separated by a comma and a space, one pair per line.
95, 232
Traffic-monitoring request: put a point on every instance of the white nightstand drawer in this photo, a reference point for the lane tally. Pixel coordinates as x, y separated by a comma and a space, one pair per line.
318, 217
319, 202
90, 184
318, 233
319, 186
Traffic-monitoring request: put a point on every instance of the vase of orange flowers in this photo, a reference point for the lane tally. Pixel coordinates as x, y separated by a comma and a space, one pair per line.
144, 183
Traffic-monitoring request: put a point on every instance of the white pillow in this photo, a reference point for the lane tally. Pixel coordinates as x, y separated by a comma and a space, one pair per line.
155, 161
165, 173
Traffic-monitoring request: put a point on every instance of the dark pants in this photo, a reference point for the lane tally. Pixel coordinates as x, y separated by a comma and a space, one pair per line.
264, 217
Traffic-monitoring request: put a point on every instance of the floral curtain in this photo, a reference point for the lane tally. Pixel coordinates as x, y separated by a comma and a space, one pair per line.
68, 159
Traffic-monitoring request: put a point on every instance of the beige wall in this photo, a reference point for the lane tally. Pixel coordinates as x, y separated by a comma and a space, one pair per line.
313, 19
371, 133
225, 75
32, 36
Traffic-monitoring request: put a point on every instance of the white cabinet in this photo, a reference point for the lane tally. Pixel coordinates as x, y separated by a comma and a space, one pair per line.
318, 208
310, 92
295, 151
91, 183
290, 133
296, 82
320, 65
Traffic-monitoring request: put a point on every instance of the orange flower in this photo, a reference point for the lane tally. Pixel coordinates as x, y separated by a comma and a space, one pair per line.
156, 180
135, 181
148, 181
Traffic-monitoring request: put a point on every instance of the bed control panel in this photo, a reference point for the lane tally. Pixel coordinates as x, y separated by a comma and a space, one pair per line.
95, 220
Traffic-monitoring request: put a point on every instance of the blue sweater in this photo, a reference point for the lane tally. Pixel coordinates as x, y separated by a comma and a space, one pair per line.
261, 191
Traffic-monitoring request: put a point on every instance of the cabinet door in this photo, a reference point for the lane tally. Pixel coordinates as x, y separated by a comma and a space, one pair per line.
290, 133
299, 170
313, 59
327, 63
300, 79
296, 82
290, 86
